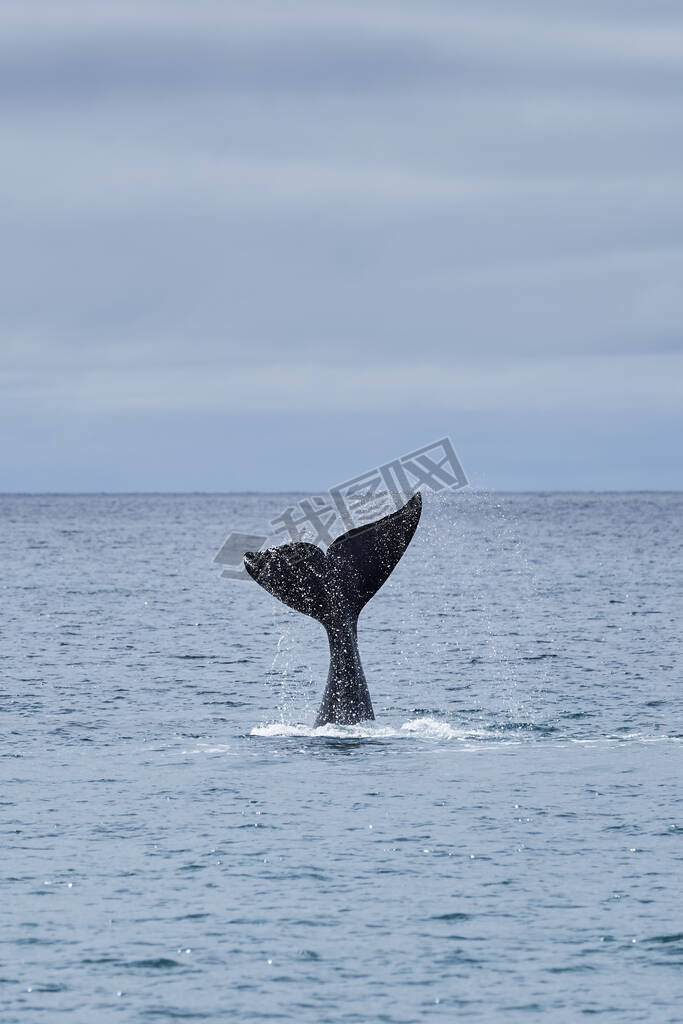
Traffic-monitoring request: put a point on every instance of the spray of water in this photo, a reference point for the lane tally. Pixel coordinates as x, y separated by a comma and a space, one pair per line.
446, 636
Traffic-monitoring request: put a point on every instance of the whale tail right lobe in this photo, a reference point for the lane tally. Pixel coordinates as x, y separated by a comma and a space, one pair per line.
334, 587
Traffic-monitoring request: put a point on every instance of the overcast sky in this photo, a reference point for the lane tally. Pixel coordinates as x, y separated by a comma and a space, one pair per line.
269, 245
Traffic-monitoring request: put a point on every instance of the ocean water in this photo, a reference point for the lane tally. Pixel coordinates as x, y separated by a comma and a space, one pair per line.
504, 842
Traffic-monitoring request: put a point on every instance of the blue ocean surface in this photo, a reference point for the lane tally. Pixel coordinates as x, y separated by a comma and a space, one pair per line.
504, 842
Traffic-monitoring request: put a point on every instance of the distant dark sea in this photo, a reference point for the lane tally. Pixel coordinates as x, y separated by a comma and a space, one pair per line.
505, 842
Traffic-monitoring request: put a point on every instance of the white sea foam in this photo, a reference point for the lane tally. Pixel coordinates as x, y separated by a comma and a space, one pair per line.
361, 731
209, 748
423, 728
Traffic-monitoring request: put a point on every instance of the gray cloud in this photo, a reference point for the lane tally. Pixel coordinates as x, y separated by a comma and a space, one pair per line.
225, 205
326, 48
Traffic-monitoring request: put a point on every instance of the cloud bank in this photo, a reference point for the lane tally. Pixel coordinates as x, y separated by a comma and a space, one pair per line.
247, 210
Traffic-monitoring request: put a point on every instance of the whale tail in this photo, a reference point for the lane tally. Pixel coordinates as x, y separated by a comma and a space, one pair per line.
342, 580
333, 587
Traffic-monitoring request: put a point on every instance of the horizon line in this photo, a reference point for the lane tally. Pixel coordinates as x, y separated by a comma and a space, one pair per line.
296, 491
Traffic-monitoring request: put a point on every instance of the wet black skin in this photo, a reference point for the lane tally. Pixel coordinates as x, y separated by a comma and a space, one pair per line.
333, 587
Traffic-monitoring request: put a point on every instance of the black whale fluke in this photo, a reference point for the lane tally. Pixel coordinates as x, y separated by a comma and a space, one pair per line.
333, 587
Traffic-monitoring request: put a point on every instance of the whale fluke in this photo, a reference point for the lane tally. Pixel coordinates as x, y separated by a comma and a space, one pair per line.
333, 587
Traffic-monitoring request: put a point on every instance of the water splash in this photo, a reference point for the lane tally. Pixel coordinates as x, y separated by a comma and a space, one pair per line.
419, 728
